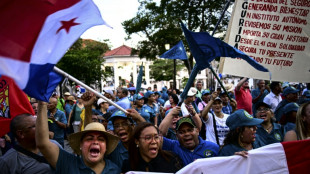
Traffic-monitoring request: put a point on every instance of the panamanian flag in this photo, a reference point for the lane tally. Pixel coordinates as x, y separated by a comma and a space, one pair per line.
278, 158
35, 34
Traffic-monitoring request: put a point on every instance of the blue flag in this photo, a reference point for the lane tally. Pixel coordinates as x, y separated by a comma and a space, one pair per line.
139, 80
206, 48
176, 52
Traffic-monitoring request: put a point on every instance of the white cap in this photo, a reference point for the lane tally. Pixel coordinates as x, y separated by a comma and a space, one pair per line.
100, 100
191, 92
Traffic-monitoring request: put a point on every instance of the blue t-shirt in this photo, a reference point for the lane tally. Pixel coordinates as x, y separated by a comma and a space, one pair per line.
68, 109
275, 136
69, 163
204, 149
119, 154
53, 127
152, 111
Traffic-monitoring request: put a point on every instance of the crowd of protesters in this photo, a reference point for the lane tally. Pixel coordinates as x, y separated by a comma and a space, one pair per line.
156, 134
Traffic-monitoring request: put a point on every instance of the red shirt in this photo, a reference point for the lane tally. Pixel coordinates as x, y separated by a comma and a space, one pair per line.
244, 99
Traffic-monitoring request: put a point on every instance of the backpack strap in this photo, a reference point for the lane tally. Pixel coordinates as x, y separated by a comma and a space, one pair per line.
37, 157
215, 130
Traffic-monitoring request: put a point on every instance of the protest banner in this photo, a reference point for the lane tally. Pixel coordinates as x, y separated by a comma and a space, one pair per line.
273, 32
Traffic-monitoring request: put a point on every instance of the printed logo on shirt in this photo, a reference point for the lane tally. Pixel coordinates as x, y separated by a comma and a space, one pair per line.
277, 136
208, 153
247, 114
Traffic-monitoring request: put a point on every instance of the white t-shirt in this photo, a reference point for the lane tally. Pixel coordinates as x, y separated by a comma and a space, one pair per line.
222, 128
184, 110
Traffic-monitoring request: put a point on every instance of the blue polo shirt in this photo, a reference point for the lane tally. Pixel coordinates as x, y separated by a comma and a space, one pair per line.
151, 110
275, 136
69, 163
230, 149
53, 127
119, 154
204, 149
144, 113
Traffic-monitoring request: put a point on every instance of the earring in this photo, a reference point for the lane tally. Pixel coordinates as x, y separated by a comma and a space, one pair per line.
80, 148
137, 145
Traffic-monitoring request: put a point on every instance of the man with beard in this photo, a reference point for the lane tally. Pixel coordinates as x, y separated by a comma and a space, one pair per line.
243, 95
189, 145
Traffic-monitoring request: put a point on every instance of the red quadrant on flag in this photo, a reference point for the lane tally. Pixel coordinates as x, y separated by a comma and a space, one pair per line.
18, 36
297, 156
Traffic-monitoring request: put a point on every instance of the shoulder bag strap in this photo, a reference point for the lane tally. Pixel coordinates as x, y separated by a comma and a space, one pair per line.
215, 130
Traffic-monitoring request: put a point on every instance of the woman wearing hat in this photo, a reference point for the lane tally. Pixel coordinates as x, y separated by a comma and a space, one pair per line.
302, 130
149, 100
141, 108
268, 131
242, 135
145, 153
91, 144
74, 116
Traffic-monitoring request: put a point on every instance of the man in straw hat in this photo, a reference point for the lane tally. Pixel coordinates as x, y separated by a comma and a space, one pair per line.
91, 144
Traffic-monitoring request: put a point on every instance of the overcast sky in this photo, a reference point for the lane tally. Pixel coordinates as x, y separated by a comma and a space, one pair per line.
114, 12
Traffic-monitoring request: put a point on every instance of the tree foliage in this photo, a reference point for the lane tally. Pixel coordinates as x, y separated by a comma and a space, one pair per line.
83, 61
160, 23
162, 69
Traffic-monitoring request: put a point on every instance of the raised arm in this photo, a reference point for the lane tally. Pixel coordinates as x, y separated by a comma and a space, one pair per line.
241, 83
166, 122
135, 115
205, 111
49, 150
88, 100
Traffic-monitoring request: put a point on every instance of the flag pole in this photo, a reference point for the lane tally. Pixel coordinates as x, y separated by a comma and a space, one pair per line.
87, 87
215, 28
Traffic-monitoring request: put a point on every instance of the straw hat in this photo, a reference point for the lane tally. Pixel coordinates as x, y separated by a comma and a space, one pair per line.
229, 87
70, 98
75, 139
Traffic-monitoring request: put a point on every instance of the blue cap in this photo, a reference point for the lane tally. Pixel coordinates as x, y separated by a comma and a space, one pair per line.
148, 93
207, 91
307, 93
118, 113
158, 92
289, 90
241, 118
285, 84
290, 107
164, 89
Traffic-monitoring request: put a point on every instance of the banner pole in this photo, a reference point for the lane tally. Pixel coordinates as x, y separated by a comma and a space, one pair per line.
88, 88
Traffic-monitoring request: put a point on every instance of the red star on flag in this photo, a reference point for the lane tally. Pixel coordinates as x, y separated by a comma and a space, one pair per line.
67, 25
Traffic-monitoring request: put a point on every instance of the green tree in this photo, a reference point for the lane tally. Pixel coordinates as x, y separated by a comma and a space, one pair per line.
83, 61
159, 22
162, 69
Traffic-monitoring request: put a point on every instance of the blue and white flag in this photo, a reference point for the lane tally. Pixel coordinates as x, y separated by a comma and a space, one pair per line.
206, 48
36, 34
176, 52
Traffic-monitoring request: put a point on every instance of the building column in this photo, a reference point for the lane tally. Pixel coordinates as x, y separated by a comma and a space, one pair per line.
116, 78
134, 73
147, 73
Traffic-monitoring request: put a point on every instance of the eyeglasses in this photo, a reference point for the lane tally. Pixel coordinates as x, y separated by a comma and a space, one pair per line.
119, 125
262, 109
149, 138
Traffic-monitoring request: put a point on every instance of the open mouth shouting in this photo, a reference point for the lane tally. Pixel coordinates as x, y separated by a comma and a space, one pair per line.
94, 151
123, 135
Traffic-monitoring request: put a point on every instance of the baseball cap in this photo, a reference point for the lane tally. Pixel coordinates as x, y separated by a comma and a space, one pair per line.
148, 93
191, 92
67, 93
290, 107
218, 98
132, 89
101, 100
185, 120
241, 118
206, 91
259, 104
290, 90
70, 98
118, 113
109, 92
307, 93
